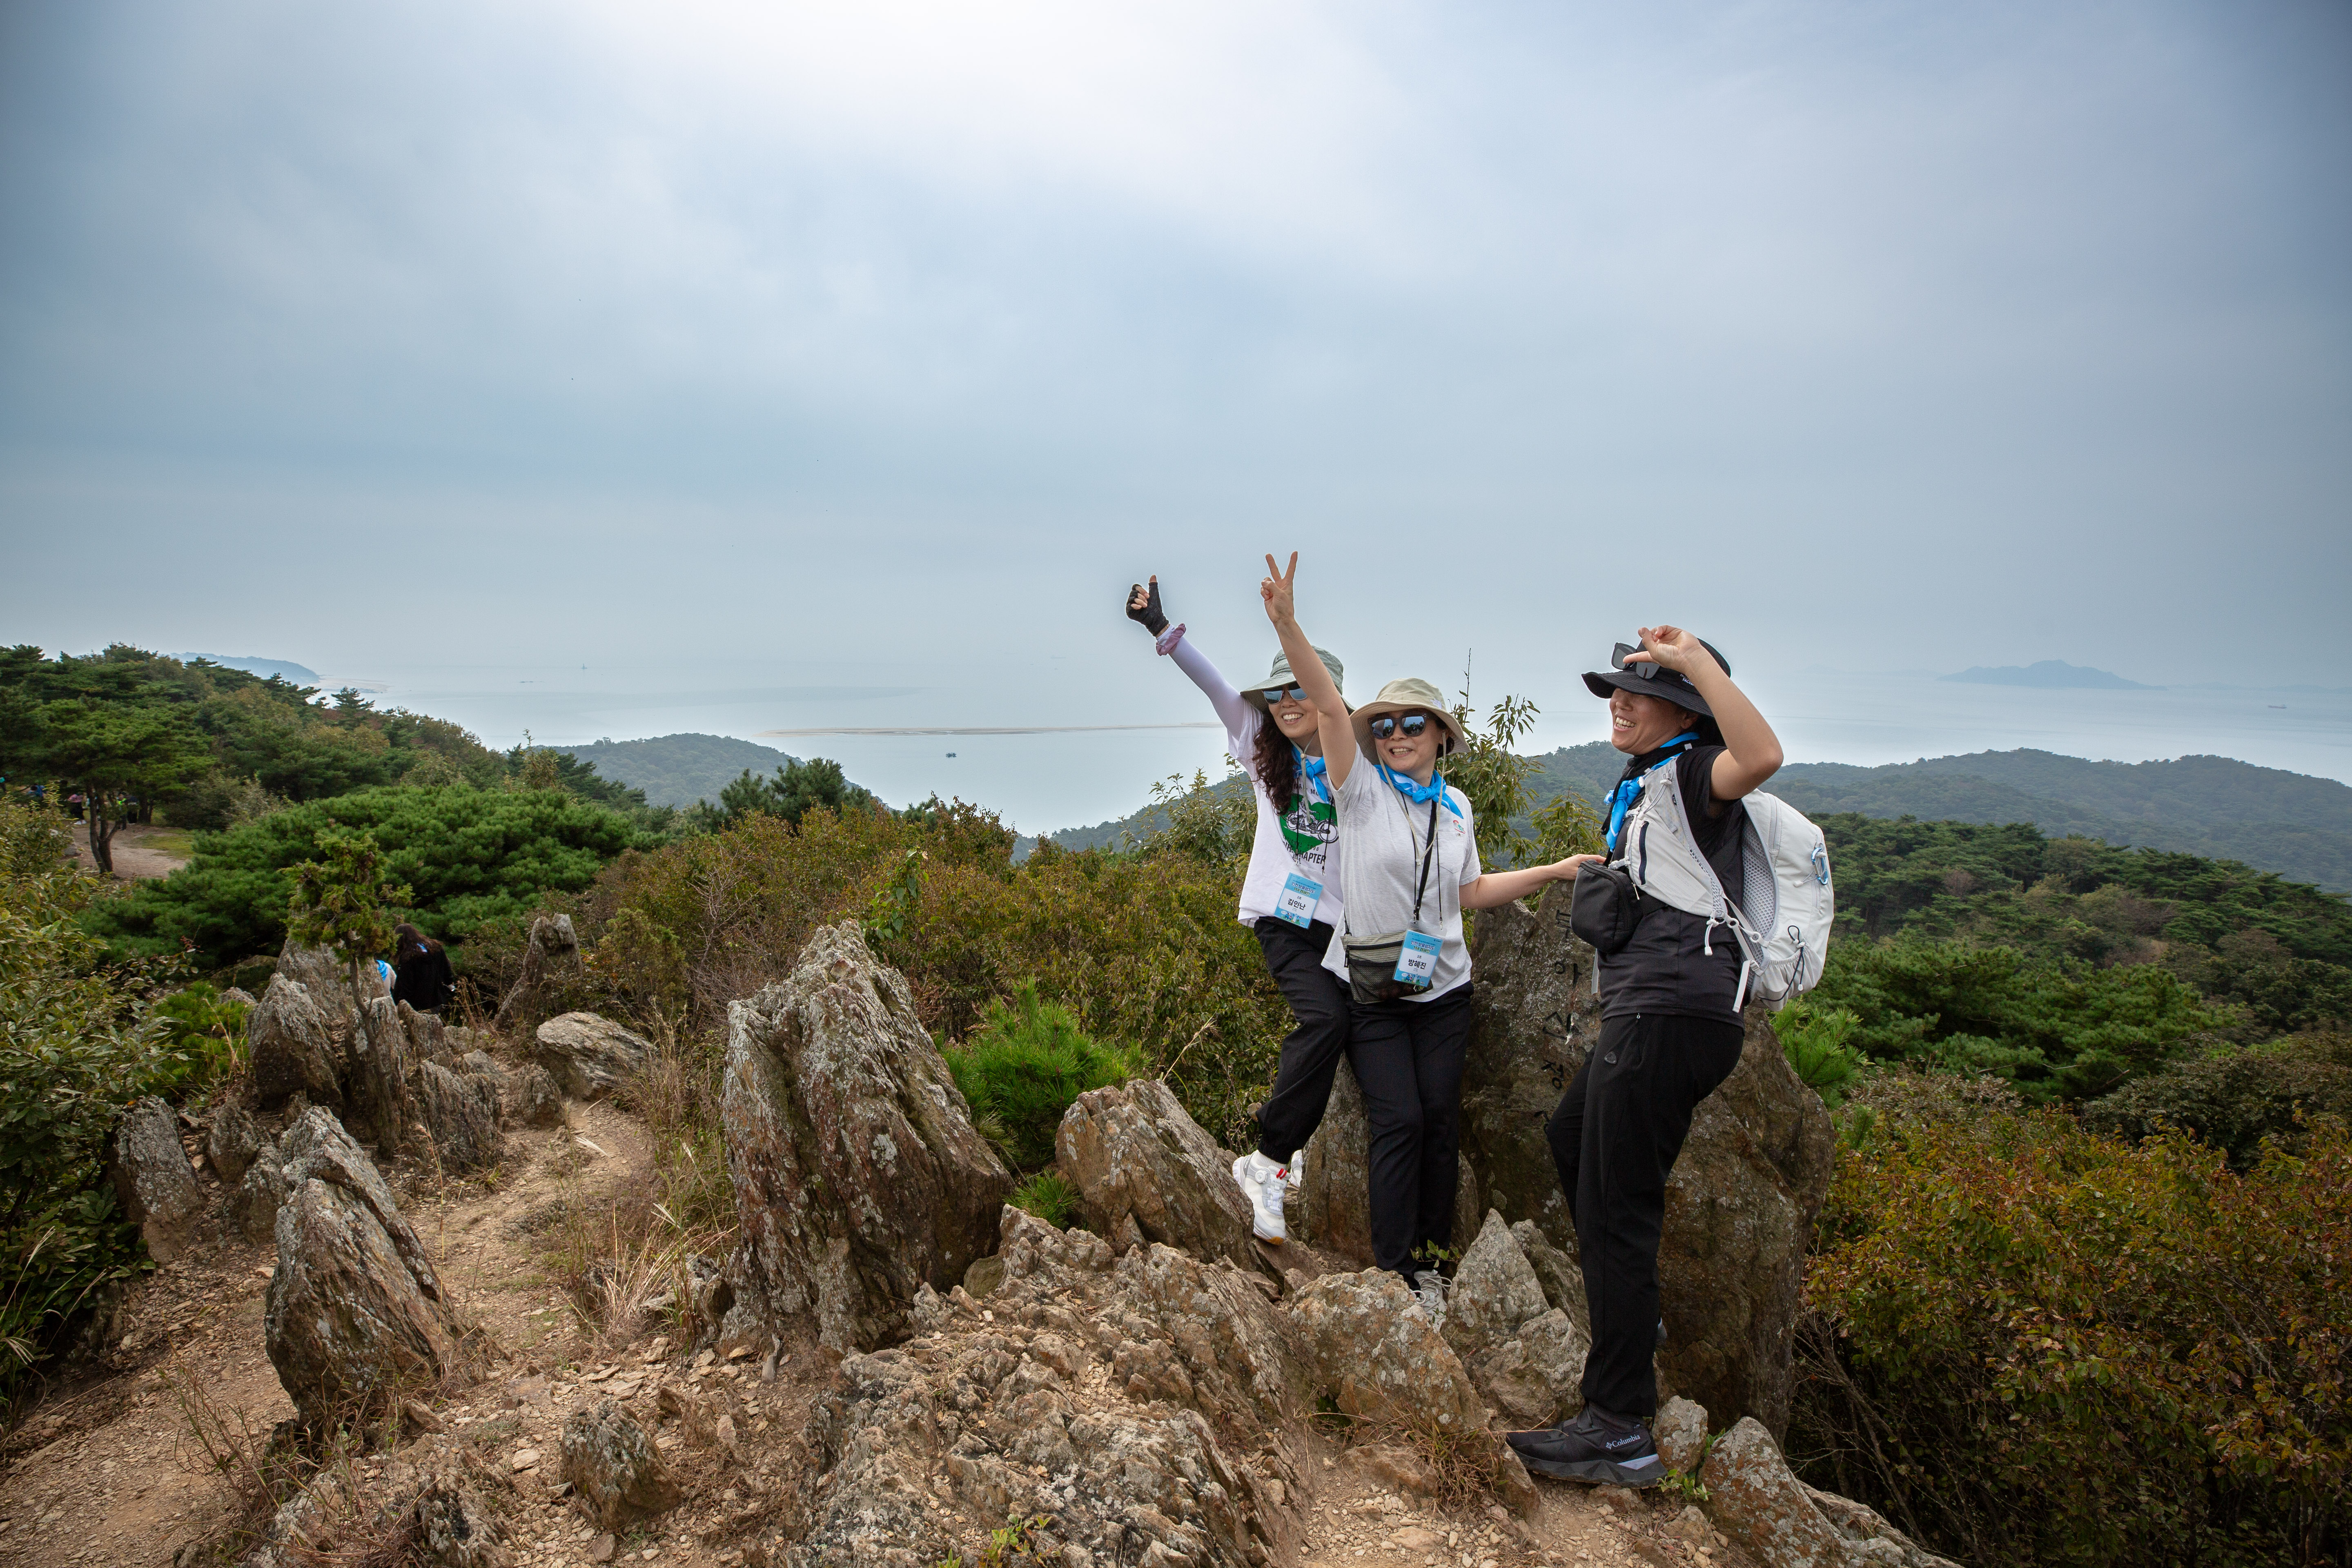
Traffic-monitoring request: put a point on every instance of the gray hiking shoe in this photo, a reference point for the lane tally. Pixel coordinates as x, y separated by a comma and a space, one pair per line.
1594, 1447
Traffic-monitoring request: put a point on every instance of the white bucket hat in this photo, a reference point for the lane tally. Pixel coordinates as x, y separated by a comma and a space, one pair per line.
1397, 696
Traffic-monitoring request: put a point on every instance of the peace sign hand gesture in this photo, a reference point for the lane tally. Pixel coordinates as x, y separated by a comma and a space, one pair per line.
1280, 608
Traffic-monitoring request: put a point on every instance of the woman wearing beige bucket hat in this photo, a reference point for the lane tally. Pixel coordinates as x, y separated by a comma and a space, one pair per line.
1412, 869
1290, 892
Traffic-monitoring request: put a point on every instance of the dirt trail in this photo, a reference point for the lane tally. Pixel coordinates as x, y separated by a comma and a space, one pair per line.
116, 1476
110, 1473
141, 854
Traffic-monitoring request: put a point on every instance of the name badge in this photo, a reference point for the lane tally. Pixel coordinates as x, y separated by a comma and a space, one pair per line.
1417, 960
1299, 897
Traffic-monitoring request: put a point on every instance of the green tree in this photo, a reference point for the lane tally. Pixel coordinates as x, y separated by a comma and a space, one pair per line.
1494, 776
339, 902
108, 752
796, 786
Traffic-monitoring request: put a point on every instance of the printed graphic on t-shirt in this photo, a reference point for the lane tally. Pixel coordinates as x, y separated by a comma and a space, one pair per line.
1308, 827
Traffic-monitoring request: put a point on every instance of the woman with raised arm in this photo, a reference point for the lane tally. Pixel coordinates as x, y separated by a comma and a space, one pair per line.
1412, 869
1670, 1032
1290, 893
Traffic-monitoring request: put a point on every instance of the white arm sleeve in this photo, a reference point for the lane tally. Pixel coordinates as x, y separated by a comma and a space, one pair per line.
1239, 717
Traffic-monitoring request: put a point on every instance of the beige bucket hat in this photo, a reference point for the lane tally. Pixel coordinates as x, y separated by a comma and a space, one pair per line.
1280, 676
1398, 696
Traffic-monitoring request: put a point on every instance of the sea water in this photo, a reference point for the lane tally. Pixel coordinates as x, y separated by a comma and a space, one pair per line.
1070, 773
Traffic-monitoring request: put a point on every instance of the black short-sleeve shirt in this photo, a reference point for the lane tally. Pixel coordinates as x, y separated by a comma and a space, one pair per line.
1666, 967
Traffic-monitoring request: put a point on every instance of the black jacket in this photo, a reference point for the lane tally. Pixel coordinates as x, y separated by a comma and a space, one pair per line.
424, 980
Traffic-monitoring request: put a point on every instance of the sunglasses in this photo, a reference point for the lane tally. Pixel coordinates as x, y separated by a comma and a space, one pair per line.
1295, 693
1645, 670
1388, 724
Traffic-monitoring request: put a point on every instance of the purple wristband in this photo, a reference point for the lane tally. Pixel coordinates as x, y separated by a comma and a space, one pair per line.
1165, 643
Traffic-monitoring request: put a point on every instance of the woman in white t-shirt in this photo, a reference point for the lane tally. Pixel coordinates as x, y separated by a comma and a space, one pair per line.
1290, 893
1412, 867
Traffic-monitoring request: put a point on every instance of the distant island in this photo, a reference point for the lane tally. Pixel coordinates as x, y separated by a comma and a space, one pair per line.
2049, 675
284, 670
678, 770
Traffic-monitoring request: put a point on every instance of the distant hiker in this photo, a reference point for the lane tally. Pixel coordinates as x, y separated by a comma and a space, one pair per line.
1411, 867
1671, 986
422, 966
1290, 894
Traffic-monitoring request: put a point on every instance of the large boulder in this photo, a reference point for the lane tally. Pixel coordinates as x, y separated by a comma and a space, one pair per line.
1334, 1192
1527, 1354
153, 1179
251, 1212
1755, 1500
1146, 1172
1145, 1407
591, 1056
1495, 1291
530, 1098
858, 1176
356, 1314
1739, 1204
295, 1045
379, 1107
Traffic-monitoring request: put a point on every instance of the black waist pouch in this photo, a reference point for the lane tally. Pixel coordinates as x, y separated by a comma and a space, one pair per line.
1606, 907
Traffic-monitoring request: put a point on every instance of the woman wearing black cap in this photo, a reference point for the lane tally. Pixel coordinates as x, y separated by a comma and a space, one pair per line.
1670, 1032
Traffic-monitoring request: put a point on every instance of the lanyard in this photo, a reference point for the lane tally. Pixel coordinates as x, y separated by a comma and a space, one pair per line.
1426, 855
1621, 798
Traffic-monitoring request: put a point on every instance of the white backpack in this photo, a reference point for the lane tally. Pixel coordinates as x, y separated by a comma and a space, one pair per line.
1781, 919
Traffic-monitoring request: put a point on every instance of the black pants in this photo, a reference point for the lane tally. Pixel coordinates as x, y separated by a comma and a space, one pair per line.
1311, 1051
1408, 1059
1614, 1138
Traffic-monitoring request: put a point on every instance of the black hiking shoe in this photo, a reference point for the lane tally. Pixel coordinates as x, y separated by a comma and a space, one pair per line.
1594, 1447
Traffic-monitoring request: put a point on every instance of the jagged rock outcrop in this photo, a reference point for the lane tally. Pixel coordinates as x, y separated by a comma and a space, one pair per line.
1381, 1359
1775, 1519
615, 1466
329, 978
153, 1179
591, 1056
356, 1314
550, 957
378, 1105
1742, 1200
459, 1112
295, 1045
1563, 1280
1144, 1406
530, 1098
1335, 1203
423, 1038
455, 1528
231, 1143
858, 1176
251, 1211
1527, 1354
1146, 1172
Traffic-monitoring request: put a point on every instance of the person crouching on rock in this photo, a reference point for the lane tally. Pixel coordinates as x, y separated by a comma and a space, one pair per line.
1290, 895
421, 966
1670, 1032
1411, 867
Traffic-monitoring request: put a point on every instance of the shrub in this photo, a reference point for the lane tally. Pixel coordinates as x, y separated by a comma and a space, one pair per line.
1817, 1042
204, 1029
76, 1044
2033, 1343
1049, 1197
469, 855
1021, 1069
2236, 1097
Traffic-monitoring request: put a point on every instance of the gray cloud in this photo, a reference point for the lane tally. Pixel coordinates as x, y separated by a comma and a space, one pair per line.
892, 337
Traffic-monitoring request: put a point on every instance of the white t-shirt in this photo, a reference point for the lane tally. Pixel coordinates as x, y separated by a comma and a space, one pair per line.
1386, 833
1298, 837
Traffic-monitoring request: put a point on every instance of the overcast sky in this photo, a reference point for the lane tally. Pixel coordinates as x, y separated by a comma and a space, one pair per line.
886, 343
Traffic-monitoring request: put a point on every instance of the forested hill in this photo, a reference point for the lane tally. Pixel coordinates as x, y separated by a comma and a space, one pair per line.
2296, 825
678, 770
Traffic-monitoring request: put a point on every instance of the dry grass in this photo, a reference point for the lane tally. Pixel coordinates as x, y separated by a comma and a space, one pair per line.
629, 1259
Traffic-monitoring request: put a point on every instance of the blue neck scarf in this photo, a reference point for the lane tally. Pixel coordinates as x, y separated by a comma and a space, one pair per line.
1419, 794
1629, 788
1315, 773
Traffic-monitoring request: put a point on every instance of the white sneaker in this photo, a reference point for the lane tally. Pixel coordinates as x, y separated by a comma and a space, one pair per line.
1260, 1180
1429, 1287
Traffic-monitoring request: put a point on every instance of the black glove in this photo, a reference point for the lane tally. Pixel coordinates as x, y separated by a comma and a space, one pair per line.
1148, 612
